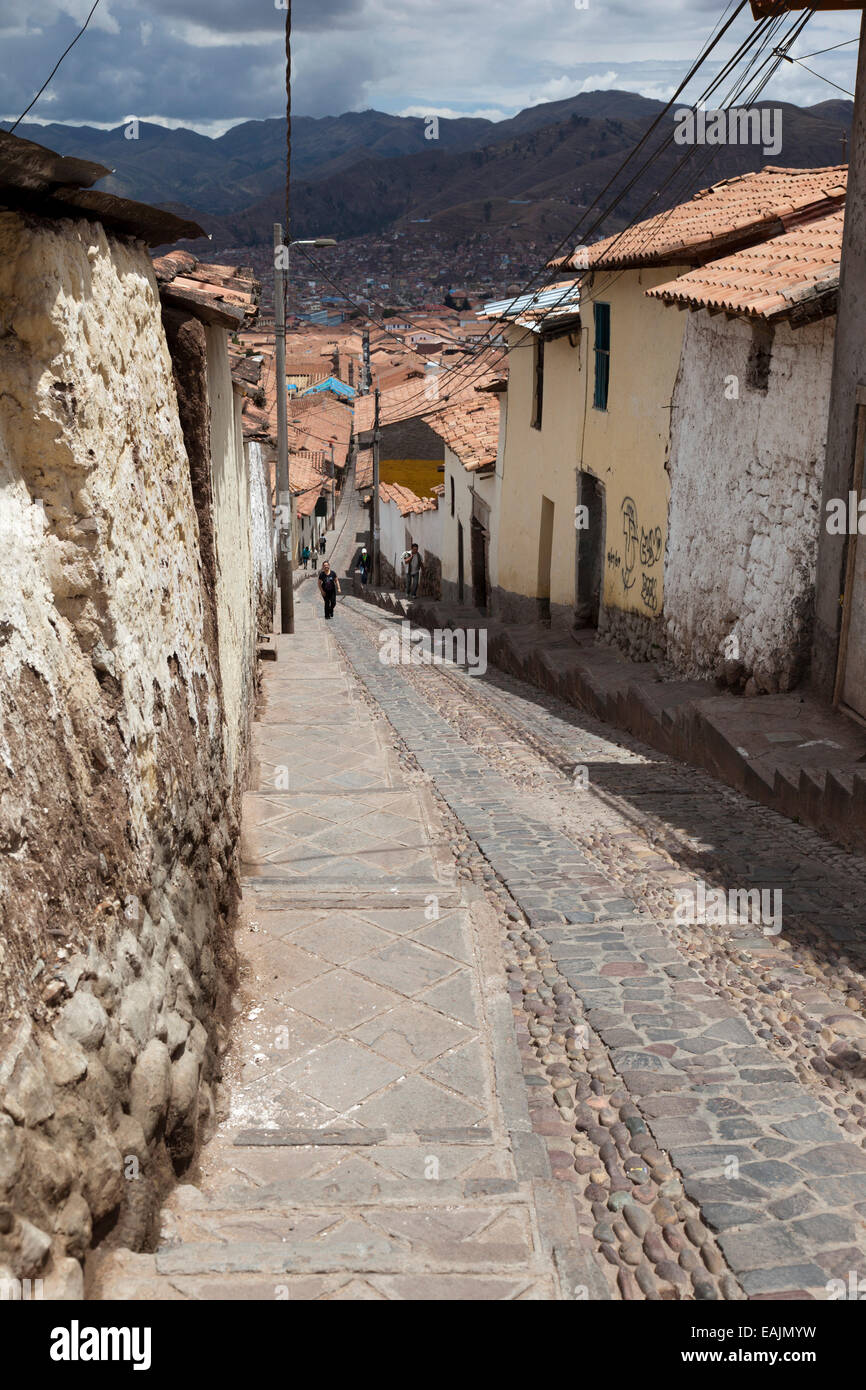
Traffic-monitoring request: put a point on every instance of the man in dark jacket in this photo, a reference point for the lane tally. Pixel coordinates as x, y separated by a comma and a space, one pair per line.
329, 587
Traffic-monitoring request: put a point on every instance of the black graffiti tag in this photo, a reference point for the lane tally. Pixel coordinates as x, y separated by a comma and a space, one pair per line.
629, 531
650, 546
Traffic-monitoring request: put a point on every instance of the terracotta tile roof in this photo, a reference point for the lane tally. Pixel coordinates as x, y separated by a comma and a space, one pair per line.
470, 428
305, 505
315, 422
364, 468
405, 499
226, 294
729, 213
307, 471
402, 402
796, 274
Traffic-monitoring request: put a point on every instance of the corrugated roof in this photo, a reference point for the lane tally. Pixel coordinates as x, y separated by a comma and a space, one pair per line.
534, 310
730, 213
795, 275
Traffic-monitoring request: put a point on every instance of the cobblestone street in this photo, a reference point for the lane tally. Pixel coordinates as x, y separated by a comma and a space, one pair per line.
664, 1111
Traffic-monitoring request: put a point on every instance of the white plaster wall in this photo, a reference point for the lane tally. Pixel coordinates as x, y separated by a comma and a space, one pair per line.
89, 424
426, 529
262, 536
745, 498
233, 535
392, 534
462, 513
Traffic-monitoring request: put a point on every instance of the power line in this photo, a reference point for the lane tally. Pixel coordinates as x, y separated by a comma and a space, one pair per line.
831, 49
819, 75
767, 34
54, 69
761, 37
715, 38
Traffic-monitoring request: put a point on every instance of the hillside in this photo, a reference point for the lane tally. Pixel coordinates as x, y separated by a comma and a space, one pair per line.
541, 180
363, 172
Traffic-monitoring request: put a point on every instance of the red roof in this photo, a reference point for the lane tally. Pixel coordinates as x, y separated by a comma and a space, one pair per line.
793, 274
728, 214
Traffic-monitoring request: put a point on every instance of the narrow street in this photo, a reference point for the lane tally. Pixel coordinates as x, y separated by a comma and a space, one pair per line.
676, 1111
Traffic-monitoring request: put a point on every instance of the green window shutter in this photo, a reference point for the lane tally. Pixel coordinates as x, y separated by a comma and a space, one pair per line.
601, 313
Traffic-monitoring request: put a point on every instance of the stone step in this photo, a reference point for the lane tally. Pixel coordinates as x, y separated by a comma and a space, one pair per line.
385, 1240
354, 1189
122, 1275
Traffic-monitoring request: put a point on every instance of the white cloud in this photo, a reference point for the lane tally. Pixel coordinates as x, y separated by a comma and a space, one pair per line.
211, 63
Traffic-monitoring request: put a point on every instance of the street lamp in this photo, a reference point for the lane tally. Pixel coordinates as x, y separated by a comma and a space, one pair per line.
284, 495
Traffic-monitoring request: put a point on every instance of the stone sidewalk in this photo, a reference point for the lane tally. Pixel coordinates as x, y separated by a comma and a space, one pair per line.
377, 1142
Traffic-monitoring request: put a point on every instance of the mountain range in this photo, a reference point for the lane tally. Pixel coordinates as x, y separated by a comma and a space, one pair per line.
368, 171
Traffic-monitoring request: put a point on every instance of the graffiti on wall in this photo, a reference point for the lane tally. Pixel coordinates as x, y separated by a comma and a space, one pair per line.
642, 551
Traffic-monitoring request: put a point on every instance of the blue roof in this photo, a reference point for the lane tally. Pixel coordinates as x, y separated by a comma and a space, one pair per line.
331, 383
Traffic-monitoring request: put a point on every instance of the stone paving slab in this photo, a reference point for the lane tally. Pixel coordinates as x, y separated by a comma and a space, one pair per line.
372, 1143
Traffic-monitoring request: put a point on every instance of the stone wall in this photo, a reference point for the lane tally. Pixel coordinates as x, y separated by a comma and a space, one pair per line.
636, 636
117, 822
746, 464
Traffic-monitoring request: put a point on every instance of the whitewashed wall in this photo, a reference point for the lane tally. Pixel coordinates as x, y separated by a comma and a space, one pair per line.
746, 469
232, 529
262, 529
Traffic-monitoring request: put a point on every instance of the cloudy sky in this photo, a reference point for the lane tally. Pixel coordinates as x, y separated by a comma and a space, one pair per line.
209, 64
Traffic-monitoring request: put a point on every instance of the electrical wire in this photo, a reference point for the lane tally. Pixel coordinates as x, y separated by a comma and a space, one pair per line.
819, 75
54, 69
761, 37
721, 28
734, 95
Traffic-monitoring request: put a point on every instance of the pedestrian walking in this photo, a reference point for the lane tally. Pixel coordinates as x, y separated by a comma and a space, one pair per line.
329, 587
305, 555
314, 556
414, 566
322, 544
364, 564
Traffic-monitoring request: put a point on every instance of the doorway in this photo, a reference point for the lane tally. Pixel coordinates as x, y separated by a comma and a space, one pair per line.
590, 519
460, 575
479, 541
545, 559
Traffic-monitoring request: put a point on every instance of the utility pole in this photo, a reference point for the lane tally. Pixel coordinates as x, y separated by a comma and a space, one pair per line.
333, 493
366, 379
284, 495
849, 374
377, 575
